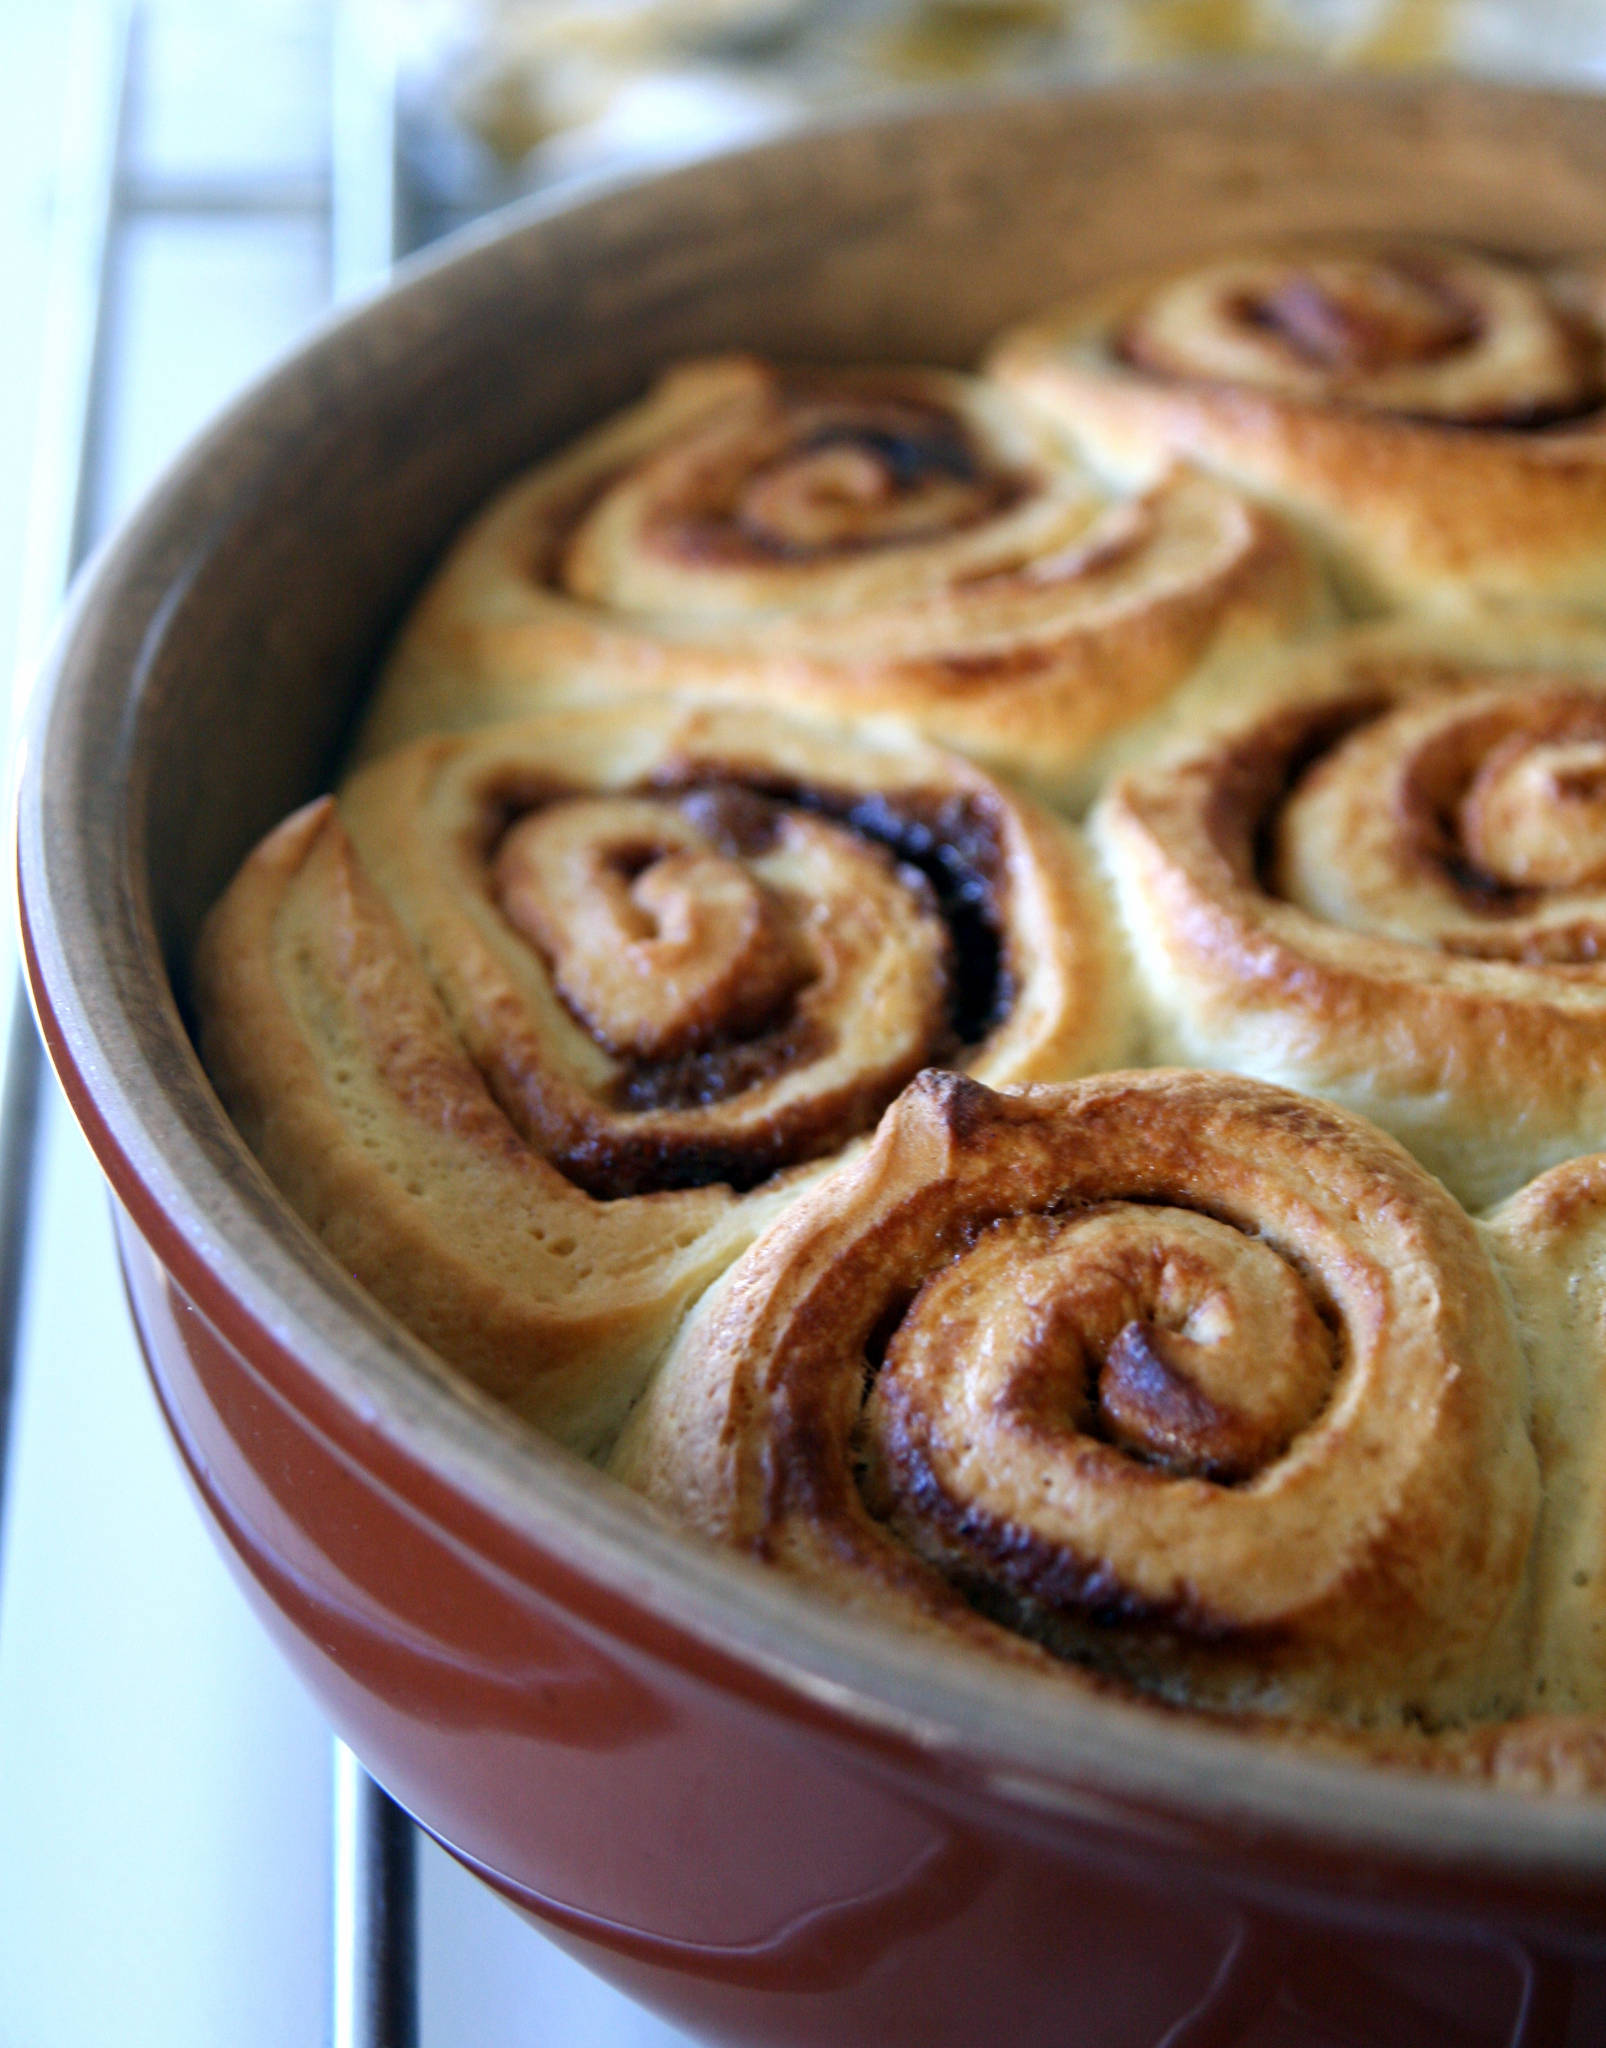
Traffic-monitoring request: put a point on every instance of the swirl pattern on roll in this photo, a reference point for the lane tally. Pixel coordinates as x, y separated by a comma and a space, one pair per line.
905, 544
1389, 887
1430, 413
1171, 1377
540, 1025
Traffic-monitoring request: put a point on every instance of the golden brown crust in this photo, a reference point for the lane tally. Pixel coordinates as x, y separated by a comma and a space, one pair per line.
1061, 1300
1550, 1241
1168, 1384
1379, 889
538, 1146
1430, 415
905, 544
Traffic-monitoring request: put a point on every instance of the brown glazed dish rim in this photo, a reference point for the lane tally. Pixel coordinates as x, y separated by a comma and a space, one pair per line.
116, 1035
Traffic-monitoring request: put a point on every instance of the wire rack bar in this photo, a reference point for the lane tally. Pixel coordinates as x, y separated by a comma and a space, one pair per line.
375, 1914
56, 540
375, 1977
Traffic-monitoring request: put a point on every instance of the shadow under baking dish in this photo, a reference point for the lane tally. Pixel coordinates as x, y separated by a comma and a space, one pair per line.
764, 1817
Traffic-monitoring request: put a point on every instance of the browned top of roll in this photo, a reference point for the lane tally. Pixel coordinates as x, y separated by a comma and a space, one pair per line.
907, 542
679, 985
1431, 412
1388, 885
687, 948
795, 472
1424, 329
1172, 1374
538, 1026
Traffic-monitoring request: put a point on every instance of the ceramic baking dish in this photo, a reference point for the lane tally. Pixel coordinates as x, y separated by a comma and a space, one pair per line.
769, 1820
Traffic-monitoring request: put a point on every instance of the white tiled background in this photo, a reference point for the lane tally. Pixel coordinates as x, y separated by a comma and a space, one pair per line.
164, 1783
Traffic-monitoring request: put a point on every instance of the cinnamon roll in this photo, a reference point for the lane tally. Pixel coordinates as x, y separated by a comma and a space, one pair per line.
900, 544
1430, 414
1388, 886
1172, 1377
1549, 1243
537, 1026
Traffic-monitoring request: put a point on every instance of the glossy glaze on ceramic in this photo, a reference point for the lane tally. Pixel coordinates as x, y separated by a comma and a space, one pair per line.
773, 1823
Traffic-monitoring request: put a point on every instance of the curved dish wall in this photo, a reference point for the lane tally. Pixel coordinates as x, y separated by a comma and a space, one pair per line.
770, 1822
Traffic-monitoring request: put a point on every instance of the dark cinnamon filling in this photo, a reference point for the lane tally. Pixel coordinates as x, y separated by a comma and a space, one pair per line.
1443, 784
1044, 1591
1514, 419
1406, 315
851, 479
954, 845
946, 853
1260, 774
1247, 798
1267, 771
1156, 1413
1136, 1394
547, 549
697, 1080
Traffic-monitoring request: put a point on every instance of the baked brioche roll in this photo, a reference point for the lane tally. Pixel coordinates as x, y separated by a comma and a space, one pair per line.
904, 544
1170, 1377
1549, 1242
1429, 414
537, 1027
1388, 886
